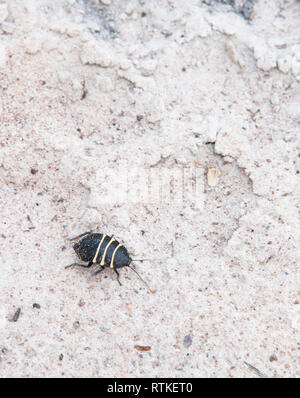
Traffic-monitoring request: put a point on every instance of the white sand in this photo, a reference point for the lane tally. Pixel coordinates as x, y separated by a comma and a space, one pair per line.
215, 90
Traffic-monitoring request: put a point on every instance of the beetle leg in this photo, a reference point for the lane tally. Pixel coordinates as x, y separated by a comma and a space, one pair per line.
80, 265
118, 275
98, 271
80, 236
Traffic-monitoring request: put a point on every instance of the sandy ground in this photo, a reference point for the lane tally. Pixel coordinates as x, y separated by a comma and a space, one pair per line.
92, 92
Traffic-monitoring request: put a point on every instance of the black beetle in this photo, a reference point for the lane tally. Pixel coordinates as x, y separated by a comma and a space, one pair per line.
103, 250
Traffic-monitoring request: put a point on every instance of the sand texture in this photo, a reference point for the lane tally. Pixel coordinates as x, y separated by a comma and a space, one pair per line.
97, 94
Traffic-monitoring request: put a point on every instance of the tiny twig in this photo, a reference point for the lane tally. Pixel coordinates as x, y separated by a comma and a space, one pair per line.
255, 370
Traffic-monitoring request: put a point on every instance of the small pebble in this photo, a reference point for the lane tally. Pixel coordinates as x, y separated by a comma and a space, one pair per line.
61, 357
213, 175
81, 303
142, 347
16, 315
76, 325
187, 341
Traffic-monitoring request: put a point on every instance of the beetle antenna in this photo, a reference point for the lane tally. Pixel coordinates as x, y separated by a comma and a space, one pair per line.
141, 278
80, 236
142, 259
